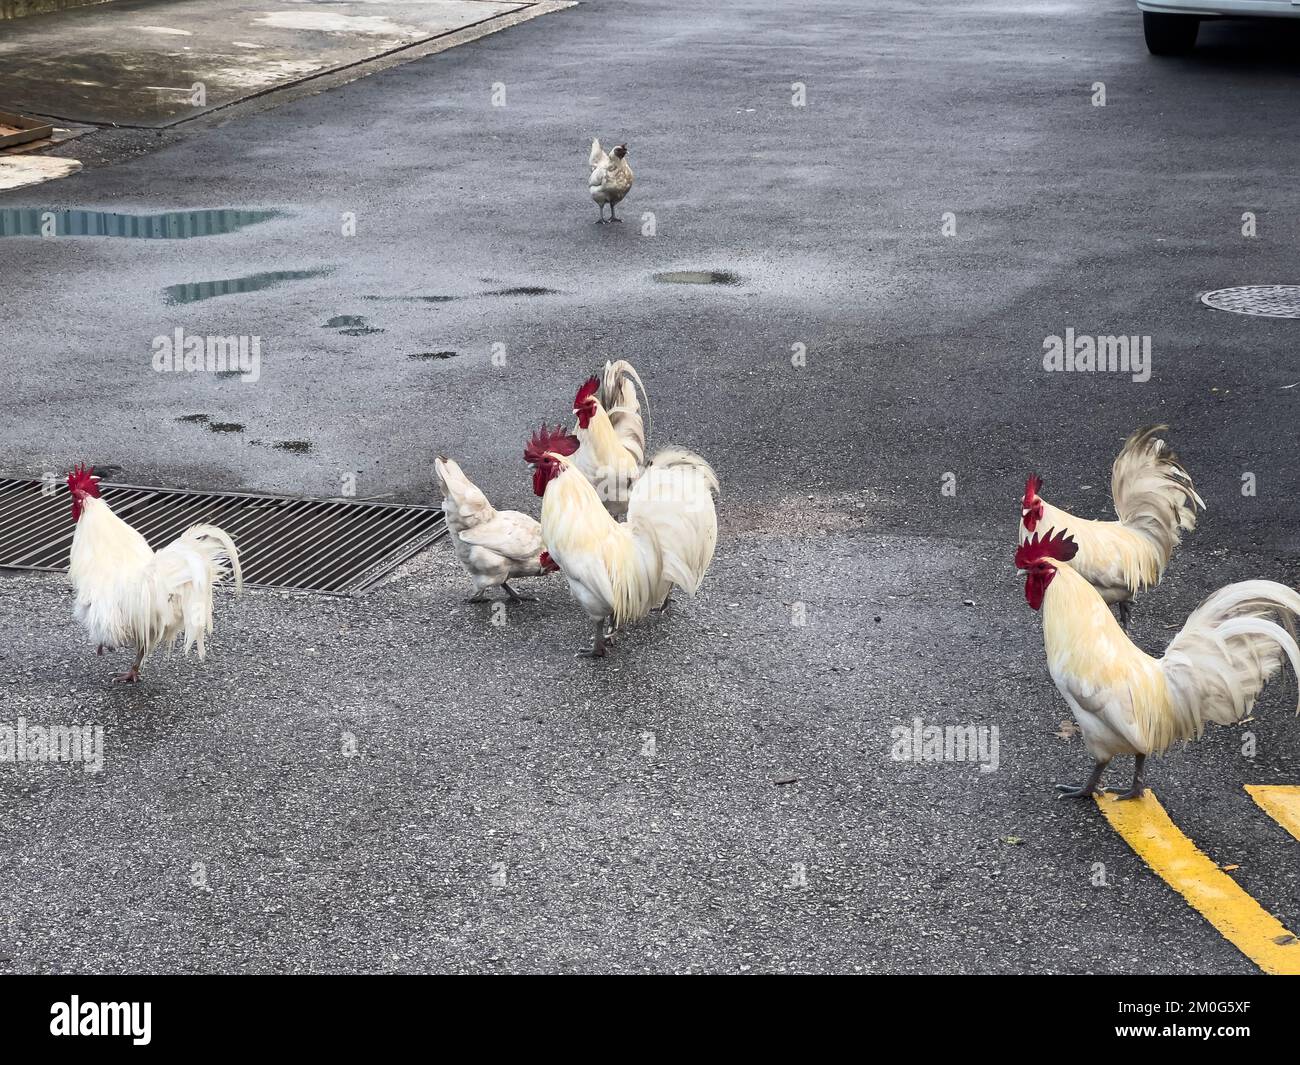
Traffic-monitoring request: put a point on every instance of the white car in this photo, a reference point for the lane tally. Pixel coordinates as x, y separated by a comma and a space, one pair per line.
1171, 27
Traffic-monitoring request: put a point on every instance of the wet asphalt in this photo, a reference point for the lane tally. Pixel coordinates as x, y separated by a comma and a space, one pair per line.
395, 783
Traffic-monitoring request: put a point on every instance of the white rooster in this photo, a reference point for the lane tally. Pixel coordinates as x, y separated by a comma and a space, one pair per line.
1127, 702
128, 595
612, 435
611, 178
494, 546
620, 571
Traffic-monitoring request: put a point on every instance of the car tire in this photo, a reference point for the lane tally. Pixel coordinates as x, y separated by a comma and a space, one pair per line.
1170, 34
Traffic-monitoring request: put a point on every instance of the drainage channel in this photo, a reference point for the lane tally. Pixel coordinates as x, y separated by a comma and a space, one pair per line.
334, 546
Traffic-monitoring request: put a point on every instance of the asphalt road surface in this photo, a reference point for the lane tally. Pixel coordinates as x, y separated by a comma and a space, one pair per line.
510, 808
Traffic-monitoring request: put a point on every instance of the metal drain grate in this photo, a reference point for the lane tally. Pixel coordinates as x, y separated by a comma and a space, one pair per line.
336, 546
1268, 301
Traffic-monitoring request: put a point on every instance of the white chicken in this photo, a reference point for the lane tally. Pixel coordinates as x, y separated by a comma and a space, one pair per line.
128, 595
620, 571
1154, 500
611, 178
494, 546
611, 433
1124, 700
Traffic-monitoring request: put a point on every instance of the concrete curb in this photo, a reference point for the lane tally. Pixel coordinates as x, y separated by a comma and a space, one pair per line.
329, 79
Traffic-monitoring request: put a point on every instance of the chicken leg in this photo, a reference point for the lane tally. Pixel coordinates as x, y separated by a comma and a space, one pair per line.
599, 644
1137, 788
132, 675
1123, 609
1088, 788
515, 597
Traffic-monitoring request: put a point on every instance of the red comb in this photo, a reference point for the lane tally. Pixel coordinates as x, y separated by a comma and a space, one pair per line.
1057, 545
544, 440
83, 479
589, 388
1032, 487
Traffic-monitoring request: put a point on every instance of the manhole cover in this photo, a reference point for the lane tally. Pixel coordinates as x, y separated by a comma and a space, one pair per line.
317, 545
1269, 301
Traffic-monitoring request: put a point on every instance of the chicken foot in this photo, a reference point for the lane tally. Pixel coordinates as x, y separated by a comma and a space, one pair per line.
132, 675
1137, 788
515, 597
1123, 608
1088, 788
599, 643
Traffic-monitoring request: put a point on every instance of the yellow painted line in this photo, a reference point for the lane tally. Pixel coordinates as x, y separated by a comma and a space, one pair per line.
1281, 803
1208, 889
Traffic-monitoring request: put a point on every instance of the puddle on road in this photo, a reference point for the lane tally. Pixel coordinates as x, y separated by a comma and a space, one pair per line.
206, 290
351, 325
298, 447
698, 277
225, 427
523, 290
170, 225
515, 290
432, 355
192, 419
412, 299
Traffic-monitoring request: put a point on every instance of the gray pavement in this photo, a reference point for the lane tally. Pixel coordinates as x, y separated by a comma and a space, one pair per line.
499, 813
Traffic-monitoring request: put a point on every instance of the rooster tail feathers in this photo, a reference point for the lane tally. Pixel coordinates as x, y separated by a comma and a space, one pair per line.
188, 569
1230, 647
468, 505
618, 395
681, 458
1152, 491
673, 504
222, 553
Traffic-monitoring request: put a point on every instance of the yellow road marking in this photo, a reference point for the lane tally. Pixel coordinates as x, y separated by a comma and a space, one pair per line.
1208, 889
1280, 802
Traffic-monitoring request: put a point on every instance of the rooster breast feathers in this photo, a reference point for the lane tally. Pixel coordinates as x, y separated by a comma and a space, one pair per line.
128, 595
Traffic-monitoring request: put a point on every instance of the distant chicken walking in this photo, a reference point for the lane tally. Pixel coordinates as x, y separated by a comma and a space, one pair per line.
1125, 701
1154, 499
129, 596
494, 546
620, 571
611, 178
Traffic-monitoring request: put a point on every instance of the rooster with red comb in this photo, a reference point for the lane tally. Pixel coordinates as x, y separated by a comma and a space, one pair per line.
610, 433
1125, 701
1154, 499
127, 594
620, 571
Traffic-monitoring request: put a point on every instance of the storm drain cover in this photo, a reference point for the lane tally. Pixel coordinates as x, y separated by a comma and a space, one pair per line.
338, 546
1268, 301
